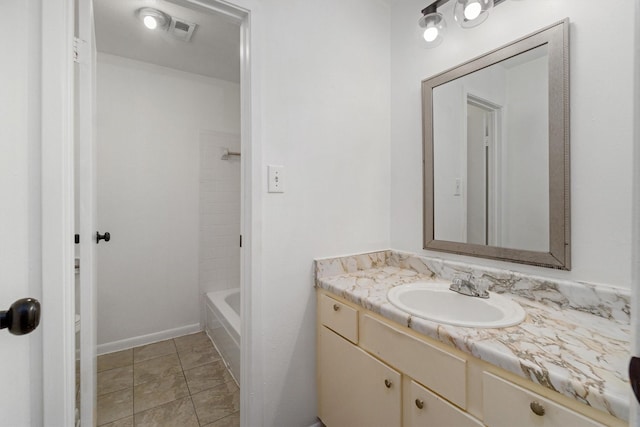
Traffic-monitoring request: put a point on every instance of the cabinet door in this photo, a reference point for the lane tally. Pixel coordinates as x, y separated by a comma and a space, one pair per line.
354, 388
423, 408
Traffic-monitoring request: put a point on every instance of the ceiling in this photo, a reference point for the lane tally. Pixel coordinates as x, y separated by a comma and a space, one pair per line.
214, 49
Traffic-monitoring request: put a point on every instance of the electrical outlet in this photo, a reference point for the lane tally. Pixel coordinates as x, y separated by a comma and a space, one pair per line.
276, 179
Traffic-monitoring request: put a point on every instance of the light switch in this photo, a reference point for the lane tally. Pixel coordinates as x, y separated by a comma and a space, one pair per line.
276, 179
458, 191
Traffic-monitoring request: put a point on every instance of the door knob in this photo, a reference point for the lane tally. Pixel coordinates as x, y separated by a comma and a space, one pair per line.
22, 317
106, 237
634, 376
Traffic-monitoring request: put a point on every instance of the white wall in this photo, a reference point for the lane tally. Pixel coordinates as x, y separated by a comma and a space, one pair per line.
325, 117
525, 217
20, 254
219, 249
149, 121
601, 124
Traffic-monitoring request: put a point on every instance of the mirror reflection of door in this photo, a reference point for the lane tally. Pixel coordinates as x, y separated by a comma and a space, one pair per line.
482, 161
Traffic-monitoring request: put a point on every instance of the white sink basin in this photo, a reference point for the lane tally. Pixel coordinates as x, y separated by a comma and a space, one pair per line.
434, 301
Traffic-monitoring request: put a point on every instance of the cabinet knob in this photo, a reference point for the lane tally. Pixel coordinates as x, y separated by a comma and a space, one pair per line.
420, 403
537, 408
336, 307
388, 383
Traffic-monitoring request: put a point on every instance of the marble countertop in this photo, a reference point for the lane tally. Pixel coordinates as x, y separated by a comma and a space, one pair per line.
576, 353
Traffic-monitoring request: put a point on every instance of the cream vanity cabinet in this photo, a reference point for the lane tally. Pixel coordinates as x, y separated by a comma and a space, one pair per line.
358, 389
377, 374
355, 388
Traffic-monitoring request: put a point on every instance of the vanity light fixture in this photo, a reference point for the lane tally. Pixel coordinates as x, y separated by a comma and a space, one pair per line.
154, 18
467, 13
471, 13
432, 26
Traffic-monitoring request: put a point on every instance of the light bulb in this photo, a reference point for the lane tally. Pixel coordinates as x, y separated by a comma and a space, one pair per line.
430, 34
150, 22
472, 11
432, 29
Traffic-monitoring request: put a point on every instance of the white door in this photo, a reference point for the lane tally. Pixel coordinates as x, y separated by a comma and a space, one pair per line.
86, 175
20, 356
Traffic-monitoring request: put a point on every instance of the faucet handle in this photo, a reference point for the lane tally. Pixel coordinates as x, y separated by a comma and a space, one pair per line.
482, 289
463, 279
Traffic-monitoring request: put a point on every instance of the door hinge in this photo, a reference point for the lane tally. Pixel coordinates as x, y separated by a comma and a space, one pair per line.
80, 51
241, 240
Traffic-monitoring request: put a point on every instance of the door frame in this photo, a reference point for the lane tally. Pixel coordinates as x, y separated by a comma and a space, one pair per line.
495, 171
58, 318
85, 201
58, 305
494, 205
634, 416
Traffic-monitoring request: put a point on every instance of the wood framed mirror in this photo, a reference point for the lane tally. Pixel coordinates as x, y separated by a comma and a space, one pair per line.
496, 153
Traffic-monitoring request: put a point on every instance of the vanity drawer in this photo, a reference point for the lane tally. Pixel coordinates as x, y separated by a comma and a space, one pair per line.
506, 404
423, 408
339, 317
443, 372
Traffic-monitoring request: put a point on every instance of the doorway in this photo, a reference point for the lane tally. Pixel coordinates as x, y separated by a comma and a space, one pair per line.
483, 166
141, 202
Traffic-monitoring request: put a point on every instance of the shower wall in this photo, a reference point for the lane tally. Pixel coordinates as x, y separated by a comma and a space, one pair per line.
149, 125
219, 212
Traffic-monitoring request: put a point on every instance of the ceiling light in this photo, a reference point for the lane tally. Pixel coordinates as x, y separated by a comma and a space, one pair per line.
470, 13
153, 18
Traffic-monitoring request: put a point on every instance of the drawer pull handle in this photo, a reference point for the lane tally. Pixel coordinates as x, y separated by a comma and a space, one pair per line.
420, 403
336, 307
537, 408
388, 383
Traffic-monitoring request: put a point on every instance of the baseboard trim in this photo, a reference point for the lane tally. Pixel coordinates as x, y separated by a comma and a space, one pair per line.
317, 424
125, 344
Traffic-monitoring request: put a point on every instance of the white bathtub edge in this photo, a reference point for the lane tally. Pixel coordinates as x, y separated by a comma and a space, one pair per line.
128, 343
223, 313
222, 325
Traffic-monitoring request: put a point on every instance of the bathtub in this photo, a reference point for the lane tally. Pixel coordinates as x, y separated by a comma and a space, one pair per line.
222, 317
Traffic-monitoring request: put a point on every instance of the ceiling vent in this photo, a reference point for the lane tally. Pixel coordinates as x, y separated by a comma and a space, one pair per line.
181, 29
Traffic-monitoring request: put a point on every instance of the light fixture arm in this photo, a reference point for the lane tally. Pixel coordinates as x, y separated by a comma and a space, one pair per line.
432, 8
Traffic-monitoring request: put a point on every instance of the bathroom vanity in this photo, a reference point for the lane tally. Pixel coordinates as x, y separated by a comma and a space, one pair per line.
564, 365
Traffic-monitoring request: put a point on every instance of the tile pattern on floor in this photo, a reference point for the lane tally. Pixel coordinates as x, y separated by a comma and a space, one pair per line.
178, 382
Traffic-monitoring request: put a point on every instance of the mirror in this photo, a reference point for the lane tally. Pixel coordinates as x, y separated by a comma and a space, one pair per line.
496, 153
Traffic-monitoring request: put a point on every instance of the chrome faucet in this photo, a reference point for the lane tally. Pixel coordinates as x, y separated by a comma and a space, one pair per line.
467, 287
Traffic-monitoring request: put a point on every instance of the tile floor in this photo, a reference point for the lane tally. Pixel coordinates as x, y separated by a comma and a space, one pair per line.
178, 382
